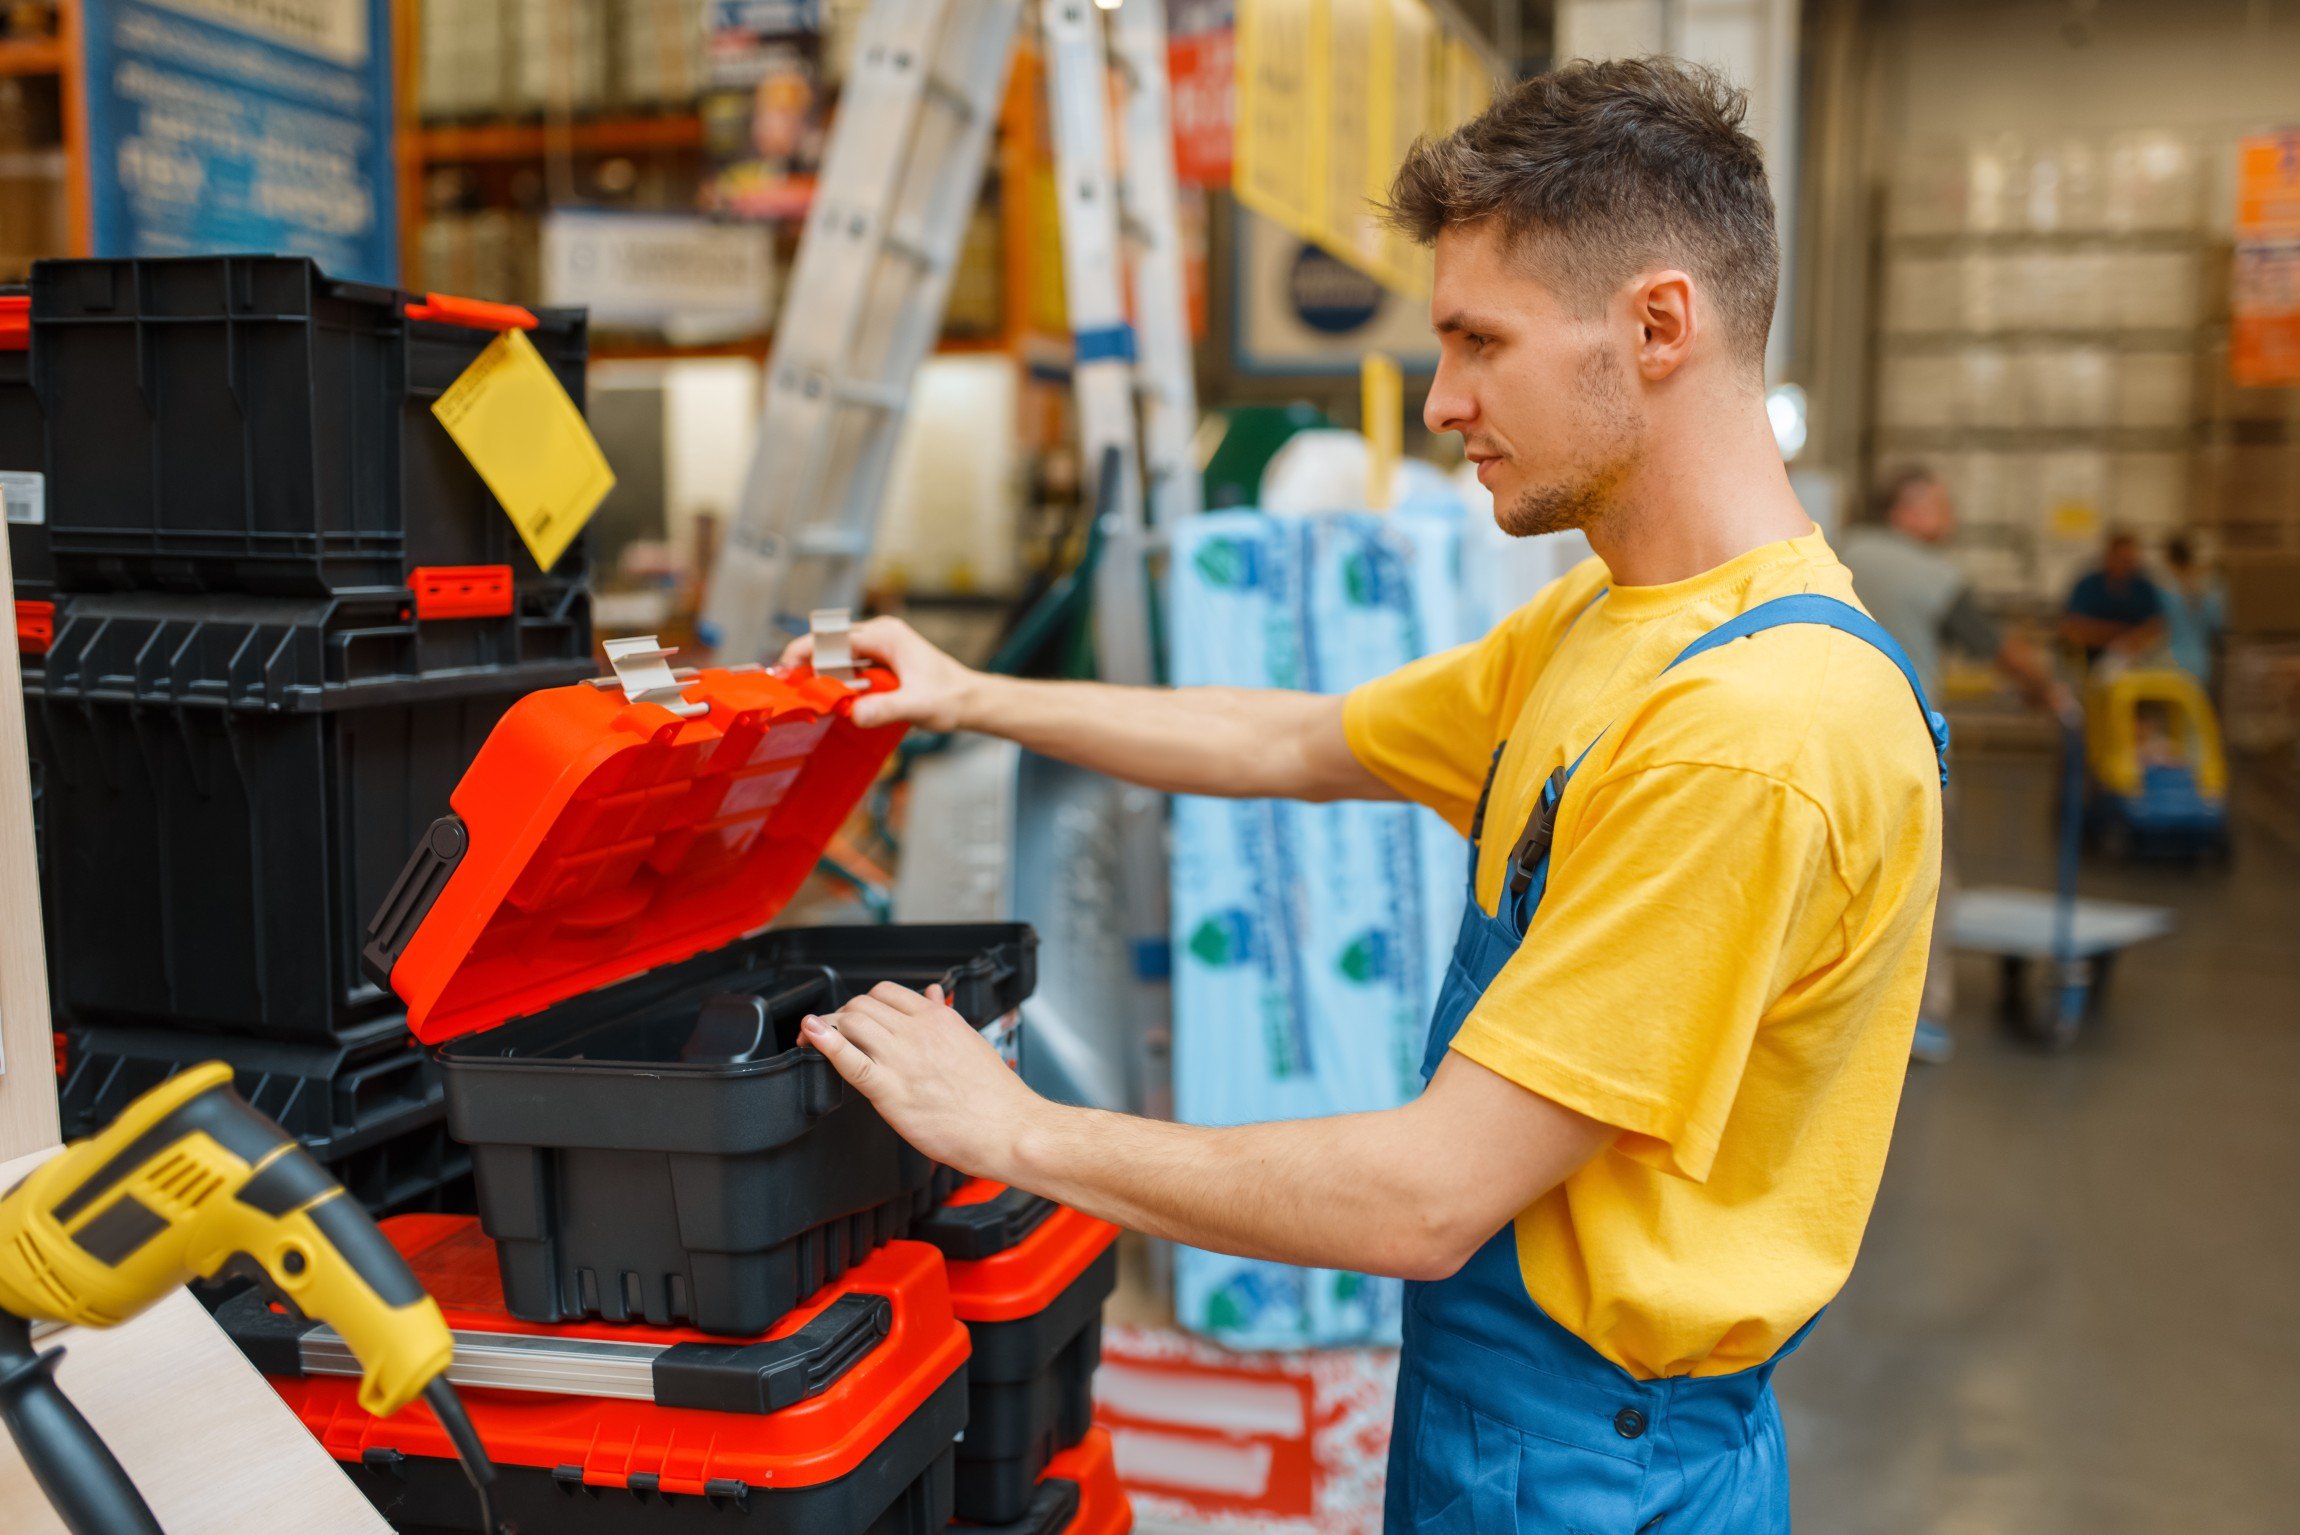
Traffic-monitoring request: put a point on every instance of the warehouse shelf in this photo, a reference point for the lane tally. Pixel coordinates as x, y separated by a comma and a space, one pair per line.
446, 142
2123, 439
1958, 242
2136, 338
31, 56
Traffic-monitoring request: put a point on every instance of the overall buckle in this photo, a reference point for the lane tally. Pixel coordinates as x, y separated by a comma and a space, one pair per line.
1540, 829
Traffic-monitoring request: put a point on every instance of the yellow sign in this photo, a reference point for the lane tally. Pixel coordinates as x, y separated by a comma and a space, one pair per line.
1331, 95
1382, 407
528, 442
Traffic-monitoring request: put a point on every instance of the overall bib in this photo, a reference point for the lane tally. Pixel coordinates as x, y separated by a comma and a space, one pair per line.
1506, 1421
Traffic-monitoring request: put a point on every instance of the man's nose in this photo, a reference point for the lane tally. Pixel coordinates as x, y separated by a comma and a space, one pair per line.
1448, 408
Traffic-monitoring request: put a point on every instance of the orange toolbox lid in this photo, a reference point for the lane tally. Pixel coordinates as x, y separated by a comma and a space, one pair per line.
1011, 1254
612, 1439
1103, 1507
616, 825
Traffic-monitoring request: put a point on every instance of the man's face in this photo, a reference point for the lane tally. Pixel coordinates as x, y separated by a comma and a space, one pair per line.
1544, 396
2122, 559
1925, 512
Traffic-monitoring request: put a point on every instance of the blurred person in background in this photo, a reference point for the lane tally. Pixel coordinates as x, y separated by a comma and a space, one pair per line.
1911, 586
2115, 610
2195, 610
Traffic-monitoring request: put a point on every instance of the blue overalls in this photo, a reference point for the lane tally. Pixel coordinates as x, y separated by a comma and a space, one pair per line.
1506, 1421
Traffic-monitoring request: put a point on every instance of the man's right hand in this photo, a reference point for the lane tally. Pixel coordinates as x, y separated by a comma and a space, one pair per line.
936, 691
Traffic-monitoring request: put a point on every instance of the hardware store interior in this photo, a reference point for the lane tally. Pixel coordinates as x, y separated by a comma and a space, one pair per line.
746, 733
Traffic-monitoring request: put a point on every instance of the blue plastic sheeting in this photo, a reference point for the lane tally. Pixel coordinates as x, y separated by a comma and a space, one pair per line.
1309, 940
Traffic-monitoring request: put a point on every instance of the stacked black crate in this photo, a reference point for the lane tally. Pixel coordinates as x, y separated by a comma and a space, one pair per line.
286, 612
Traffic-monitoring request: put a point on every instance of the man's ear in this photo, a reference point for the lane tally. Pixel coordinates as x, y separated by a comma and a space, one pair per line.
1662, 303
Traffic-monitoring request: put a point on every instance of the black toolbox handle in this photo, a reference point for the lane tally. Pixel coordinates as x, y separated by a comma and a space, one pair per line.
984, 1230
272, 1340
412, 894
769, 1376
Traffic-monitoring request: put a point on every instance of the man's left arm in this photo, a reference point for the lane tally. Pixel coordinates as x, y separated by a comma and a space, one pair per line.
1381, 1193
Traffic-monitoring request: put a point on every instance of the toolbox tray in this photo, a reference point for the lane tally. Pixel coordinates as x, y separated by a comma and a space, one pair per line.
1031, 1291
620, 1181
582, 940
863, 1445
208, 866
247, 424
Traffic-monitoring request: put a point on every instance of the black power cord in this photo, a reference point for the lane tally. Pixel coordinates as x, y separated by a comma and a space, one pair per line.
447, 1407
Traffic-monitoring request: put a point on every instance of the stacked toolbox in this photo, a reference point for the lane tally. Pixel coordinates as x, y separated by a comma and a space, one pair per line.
285, 612
690, 1296
1028, 1277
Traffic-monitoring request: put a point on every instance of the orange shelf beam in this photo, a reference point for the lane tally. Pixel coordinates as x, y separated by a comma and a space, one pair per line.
531, 141
32, 56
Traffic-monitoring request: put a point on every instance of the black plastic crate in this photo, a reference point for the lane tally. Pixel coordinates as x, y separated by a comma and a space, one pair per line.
1029, 1279
248, 424
372, 1085
23, 452
209, 864
663, 1149
418, 1171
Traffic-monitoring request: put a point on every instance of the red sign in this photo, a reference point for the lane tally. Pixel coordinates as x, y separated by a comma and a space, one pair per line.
1203, 69
2264, 341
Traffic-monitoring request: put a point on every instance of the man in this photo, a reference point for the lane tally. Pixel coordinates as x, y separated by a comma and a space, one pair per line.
1664, 1068
2115, 610
1925, 602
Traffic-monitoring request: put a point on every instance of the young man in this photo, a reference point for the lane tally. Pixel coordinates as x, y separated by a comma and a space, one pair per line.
1664, 1067
2115, 610
1926, 603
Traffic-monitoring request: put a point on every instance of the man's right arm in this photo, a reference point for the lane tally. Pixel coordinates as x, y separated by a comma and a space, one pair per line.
1238, 742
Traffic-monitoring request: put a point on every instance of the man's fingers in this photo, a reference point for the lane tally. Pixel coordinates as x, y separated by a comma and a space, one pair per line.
902, 999
866, 1024
800, 649
845, 1059
876, 638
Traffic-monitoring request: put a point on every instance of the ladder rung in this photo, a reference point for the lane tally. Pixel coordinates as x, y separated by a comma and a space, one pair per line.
909, 249
952, 94
819, 541
863, 391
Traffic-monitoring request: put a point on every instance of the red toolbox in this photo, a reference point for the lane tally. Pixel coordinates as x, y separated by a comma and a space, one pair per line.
1079, 1495
649, 1139
1028, 1277
837, 1421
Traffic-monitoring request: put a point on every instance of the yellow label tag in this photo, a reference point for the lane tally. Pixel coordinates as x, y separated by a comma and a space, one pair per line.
2075, 519
528, 442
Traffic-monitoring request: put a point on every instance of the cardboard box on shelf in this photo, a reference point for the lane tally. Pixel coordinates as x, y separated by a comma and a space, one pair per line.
2154, 389
2263, 592
2152, 182
2148, 492
2247, 483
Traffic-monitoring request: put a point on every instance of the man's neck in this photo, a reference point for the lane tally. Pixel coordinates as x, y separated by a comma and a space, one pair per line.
1702, 496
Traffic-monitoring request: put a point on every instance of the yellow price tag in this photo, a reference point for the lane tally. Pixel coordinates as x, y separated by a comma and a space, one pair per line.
528, 442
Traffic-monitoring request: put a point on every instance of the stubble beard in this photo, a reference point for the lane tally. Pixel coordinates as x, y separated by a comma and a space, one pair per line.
1588, 494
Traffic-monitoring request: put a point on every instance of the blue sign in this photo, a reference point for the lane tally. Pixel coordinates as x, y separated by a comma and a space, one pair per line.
243, 126
1330, 295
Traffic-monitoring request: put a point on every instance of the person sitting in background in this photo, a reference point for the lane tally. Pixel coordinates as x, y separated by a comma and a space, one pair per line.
1926, 602
2115, 610
2195, 610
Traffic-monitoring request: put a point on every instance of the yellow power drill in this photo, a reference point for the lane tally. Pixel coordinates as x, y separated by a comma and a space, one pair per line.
187, 1182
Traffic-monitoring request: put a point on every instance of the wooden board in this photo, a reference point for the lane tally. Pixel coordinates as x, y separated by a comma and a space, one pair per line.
27, 1038
213, 1449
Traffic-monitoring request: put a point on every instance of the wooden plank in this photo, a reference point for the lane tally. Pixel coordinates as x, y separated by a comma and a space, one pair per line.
27, 1036
211, 1447
31, 56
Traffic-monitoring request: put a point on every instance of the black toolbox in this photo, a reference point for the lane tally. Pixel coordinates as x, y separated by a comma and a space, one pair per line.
229, 786
24, 476
837, 1421
1080, 1494
1029, 1278
247, 424
650, 1140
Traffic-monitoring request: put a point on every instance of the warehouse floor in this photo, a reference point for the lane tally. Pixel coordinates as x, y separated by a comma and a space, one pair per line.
2076, 1311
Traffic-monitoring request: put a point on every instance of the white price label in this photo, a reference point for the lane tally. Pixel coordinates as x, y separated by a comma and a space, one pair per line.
25, 494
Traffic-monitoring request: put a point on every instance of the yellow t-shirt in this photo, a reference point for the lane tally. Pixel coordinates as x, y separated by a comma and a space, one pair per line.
1727, 961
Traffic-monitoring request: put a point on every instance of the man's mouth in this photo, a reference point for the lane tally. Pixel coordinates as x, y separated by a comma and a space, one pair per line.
1485, 462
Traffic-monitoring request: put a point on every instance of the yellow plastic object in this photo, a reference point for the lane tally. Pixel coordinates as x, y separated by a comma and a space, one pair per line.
2112, 730
530, 444
185, 1180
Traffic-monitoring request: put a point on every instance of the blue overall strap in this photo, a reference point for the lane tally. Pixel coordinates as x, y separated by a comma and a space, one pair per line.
1830, 613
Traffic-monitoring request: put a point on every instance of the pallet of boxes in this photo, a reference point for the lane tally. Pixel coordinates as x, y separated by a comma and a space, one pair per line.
266, 613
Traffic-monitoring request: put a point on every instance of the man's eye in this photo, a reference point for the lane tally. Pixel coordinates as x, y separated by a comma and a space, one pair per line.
1477, 342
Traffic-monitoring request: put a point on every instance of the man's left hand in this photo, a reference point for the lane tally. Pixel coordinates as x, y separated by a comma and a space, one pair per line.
934, 1078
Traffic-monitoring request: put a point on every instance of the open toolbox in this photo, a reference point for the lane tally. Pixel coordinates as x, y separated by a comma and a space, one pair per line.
581, 941
1028, 1277
1080, 1494
836, 1421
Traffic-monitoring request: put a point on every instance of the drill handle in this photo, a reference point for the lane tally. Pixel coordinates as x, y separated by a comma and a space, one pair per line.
84, 1481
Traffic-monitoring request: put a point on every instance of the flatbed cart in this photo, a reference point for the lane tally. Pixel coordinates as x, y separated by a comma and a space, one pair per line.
2055, 951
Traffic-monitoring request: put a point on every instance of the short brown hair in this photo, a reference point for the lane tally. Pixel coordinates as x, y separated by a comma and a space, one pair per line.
1606, 167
